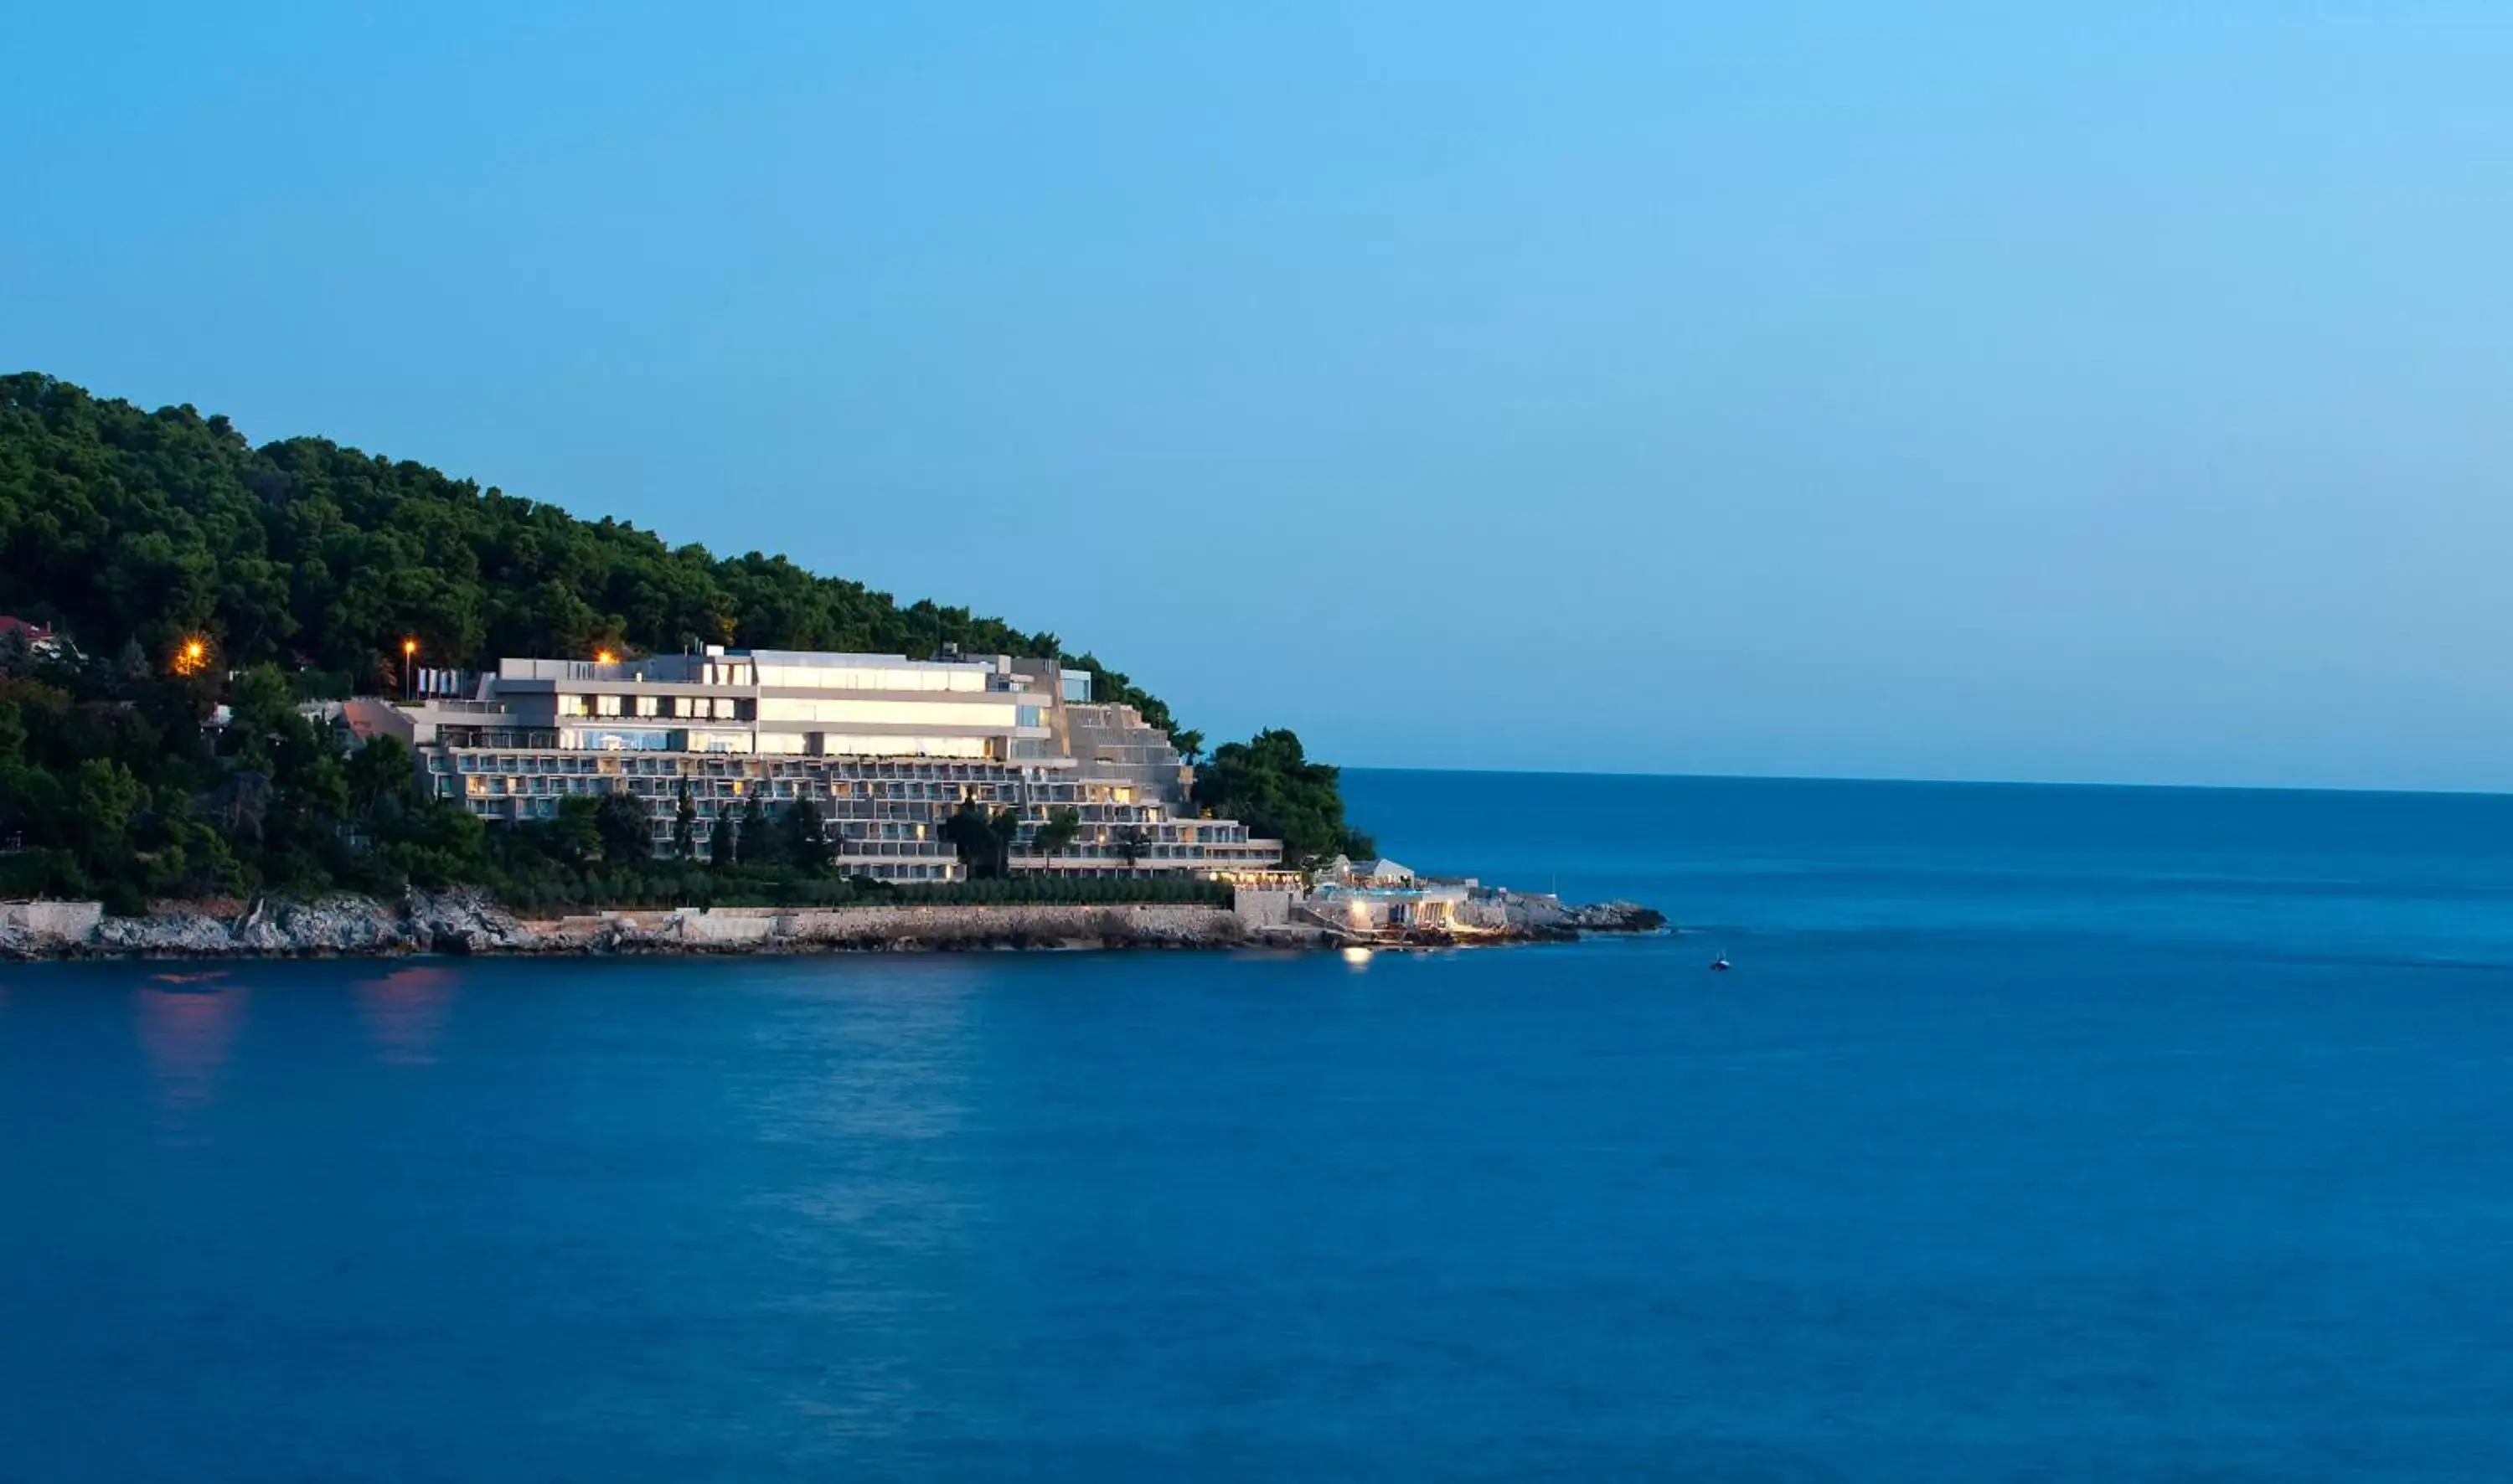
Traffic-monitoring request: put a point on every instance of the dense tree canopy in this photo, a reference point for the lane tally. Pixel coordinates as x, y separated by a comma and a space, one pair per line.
112, 786
1270, 784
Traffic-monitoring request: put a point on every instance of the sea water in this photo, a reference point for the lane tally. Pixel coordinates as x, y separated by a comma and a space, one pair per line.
2071, 1134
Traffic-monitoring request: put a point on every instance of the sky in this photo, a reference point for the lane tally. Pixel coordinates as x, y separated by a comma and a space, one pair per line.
2114, 392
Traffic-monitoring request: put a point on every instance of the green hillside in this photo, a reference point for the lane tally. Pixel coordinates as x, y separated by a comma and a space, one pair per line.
135, 528
302, 566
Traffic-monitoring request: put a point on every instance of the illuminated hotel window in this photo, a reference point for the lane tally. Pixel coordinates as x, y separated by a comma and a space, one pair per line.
986, 714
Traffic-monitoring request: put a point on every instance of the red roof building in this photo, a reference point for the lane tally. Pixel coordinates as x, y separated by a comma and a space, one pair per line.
36, 639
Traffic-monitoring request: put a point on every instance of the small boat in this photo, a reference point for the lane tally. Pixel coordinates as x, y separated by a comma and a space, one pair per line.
1720, 964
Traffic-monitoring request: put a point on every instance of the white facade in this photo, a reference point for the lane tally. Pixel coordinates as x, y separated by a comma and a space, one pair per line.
886, 746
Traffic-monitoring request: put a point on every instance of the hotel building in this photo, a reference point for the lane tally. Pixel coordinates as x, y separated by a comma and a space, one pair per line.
887, 747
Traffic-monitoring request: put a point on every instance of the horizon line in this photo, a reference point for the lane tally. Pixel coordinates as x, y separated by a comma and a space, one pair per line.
1977, 783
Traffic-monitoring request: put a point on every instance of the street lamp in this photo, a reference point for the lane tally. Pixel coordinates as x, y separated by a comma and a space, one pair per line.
409, 647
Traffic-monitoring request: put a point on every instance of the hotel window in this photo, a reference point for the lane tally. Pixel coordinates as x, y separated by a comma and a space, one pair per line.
606, 705
621, 740
571, 706
650, 706
887, 713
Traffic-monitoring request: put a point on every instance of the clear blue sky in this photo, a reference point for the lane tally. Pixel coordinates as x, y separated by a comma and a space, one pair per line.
1933, 391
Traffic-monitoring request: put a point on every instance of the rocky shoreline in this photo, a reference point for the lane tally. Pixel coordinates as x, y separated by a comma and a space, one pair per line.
468, 922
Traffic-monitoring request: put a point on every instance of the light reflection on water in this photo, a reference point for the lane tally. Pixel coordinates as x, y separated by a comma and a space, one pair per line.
187, 1035
404, 1012
861, 1082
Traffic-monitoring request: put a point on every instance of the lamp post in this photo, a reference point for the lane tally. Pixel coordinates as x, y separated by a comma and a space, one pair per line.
409, 649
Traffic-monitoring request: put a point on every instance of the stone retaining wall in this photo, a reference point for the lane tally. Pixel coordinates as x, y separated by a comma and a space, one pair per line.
776, 928
66, 920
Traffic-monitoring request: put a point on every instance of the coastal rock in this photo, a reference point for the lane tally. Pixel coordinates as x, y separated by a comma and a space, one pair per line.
1616, 917
1547, 917
467, 922
463, 921
332, 924
162, 935
271, 928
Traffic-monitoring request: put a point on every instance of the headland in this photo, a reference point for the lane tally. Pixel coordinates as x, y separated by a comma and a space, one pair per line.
546, 734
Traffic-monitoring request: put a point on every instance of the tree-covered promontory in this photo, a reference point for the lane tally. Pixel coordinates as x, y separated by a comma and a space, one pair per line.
144, 529
190, 570
1270, 783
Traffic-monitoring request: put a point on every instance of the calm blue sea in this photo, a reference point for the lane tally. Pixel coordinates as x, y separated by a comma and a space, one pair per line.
2040, 1133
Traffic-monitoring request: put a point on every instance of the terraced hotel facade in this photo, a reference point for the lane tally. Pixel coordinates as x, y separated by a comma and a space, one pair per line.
886, 746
